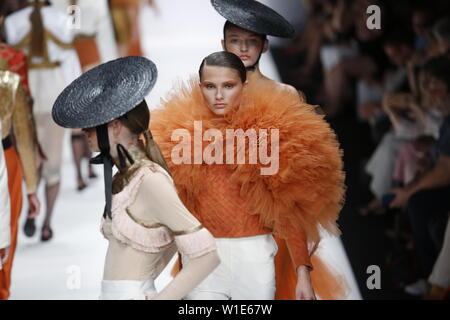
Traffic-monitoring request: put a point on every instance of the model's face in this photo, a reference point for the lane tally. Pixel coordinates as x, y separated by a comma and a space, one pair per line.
115, 128
245, 44
221, 88
91, 134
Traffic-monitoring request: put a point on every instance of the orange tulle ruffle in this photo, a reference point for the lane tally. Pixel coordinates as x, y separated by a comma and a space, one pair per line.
307, 191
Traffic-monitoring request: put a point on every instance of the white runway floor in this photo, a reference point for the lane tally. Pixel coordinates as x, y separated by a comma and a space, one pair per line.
70, 266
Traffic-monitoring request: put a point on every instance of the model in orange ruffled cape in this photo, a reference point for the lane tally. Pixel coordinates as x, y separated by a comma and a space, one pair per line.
308, 189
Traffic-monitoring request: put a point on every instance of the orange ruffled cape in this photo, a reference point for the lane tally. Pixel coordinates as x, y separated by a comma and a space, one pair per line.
307, 191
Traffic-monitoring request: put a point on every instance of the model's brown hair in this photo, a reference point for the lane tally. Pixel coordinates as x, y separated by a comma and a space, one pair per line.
137, 121
229, 25
224, 59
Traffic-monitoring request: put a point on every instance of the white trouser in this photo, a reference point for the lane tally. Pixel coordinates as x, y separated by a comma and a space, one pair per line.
246, 270
127, 289
382, 164
51, 138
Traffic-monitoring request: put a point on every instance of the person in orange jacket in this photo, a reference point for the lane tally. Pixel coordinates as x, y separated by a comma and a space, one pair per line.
247, 38
242, 207
21, 154
125, 16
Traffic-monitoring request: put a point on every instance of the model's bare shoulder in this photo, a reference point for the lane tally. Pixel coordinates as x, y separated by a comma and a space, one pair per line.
292, 90
287, 87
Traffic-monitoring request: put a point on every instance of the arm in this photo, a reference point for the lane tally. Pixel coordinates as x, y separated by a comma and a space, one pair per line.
189, 277
157, 196
27, 146
300, 256
23, 123
438, 176
394, 102
298, 248
26, 140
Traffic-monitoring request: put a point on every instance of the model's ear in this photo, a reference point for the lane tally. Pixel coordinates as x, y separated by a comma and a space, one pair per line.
224, 46
266, 46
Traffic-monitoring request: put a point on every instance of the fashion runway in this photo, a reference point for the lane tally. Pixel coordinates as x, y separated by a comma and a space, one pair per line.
70, 266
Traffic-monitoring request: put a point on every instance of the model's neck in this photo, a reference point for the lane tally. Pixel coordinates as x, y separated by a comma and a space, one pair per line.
255, 74
128, 145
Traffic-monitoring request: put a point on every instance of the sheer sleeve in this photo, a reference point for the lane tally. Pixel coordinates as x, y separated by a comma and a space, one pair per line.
157, 204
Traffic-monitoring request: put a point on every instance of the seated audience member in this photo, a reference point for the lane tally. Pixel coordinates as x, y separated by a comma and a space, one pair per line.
343, 64
427, 201
381, 164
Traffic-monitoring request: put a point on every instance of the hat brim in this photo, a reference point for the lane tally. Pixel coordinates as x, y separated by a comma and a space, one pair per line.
105, 93
254, 16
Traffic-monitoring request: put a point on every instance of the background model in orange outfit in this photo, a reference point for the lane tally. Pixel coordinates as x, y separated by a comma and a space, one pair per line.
46, 37
17, 118
241, 207
247, 38
125, 16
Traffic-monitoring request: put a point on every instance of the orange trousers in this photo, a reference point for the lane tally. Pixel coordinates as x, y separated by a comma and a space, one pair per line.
15, 196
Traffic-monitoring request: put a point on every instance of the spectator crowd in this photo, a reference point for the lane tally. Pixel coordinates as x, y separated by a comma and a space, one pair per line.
395, 80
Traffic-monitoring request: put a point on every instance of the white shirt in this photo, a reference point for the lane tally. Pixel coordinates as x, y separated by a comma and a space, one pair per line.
46, 83
94, 19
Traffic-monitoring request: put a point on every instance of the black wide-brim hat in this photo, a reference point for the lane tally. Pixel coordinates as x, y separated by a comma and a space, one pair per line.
105, 93
254, 16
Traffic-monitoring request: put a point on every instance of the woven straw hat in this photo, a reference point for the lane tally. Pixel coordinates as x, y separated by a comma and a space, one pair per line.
254, 16
105, 93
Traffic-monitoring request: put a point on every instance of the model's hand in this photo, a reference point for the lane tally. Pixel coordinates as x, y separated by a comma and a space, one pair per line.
402, 196
304, 289
35, 205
